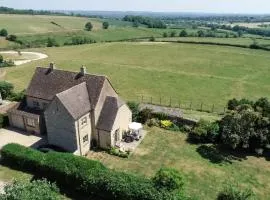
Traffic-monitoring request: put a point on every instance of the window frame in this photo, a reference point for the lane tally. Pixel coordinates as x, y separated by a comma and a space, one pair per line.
84, 121
85, 139
31, 122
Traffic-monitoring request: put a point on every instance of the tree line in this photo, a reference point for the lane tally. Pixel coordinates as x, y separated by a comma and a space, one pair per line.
148, 21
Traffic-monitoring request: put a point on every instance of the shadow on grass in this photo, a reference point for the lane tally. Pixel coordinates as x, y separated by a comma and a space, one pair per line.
217, 155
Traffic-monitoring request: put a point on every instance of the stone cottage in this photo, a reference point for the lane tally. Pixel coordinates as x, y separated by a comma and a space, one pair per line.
75, 110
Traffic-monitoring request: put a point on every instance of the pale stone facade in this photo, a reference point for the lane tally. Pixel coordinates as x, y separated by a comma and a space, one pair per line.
74, 110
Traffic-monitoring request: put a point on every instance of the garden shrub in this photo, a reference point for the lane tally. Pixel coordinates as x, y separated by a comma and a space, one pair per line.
117, 152
204, 132
6, 89
35, 190
234, 192
145, 115
86, 176
153, 122
169, 179
134, 107
165, 124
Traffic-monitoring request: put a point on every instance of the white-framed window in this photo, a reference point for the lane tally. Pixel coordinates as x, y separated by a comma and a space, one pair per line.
36, 104
84, 121
85, 139
30, 122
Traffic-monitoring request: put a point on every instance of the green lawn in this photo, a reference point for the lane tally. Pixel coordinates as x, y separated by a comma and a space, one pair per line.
184, 72
7, 174
205, 176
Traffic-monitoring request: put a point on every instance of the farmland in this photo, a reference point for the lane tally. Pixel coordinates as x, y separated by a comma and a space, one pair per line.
184, 72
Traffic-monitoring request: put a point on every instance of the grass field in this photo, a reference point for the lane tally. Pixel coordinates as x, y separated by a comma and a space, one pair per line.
184, 72
206, 171
33, 24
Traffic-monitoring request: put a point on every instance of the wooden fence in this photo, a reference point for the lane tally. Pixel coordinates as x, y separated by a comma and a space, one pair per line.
178, 103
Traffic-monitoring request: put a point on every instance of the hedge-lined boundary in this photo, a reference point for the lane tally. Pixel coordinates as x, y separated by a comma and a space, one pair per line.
85, 176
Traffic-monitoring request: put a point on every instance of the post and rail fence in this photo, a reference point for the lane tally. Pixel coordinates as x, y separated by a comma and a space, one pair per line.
181, 104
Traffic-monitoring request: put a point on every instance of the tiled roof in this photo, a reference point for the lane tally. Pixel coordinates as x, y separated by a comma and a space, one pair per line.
108, 113
76, 100
46, 83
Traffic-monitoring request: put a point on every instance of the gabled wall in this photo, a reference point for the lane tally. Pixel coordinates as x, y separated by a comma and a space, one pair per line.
83, 130
42, 103
61, 127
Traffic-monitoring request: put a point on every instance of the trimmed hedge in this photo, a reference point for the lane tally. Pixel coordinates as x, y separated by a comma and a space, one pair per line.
86, 176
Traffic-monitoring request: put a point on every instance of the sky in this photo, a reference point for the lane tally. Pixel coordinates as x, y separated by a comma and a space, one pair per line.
205, 6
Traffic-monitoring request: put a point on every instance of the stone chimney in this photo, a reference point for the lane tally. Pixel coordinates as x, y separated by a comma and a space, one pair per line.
52, 66
83, 70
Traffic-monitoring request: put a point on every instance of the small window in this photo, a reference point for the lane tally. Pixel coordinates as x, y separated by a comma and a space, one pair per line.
30, 122
84, 121
85, 139
36, 104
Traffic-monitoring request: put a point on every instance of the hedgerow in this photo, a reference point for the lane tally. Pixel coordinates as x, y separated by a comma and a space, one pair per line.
85, 176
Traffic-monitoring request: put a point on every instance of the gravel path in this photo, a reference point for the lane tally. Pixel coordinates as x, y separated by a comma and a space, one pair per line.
176, 112
20, 62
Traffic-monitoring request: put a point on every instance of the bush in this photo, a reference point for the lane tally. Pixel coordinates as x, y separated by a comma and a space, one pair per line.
51, 42
234, 192
205, 132
145, 115
117, 152
12, 38
105, 25
165, 34
134, 107
153, 122
6, 89
88, 26
152, 39
183, 33
16, 96
3, 32
165, 124
35, 190
85, 176
169, 179
4, 122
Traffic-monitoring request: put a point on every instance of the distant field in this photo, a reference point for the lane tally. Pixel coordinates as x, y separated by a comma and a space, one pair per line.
184, 72
233, 41
33, 24
251, 25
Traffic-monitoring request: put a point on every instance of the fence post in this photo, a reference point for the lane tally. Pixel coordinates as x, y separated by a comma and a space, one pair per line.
190, 107
142, 99
201, 106
179, 104
224, 110
170, 101
213, 107
159, 100
151, 100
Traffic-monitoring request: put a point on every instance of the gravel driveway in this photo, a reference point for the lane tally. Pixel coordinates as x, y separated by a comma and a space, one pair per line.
14, 136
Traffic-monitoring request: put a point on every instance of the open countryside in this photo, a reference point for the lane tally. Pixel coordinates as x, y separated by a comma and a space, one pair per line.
214, 76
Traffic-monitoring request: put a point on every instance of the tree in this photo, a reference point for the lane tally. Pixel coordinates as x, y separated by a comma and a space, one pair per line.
6, 89
3, 32
152, 39
35, 190
165, 34
183, 33
201, 33
173, 33
51, 42
105, 25
1, 59
88, 26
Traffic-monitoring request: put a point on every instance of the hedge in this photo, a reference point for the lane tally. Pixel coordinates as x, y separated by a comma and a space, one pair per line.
85, 176
4, 122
